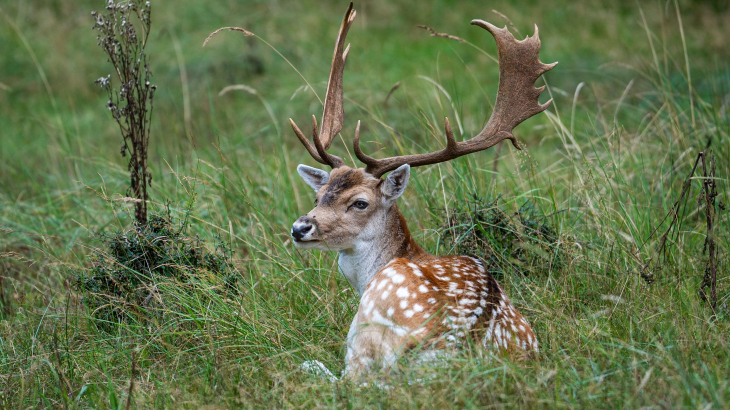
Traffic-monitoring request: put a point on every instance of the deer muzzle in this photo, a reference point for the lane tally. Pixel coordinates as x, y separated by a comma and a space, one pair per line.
303, 229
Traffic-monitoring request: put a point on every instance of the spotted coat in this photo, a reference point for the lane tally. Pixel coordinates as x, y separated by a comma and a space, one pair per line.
433, 304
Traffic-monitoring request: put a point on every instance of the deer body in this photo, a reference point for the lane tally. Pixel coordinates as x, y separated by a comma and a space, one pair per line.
410, 298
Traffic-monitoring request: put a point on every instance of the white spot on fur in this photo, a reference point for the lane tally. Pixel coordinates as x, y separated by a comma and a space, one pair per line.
422, 289
384, 295
389, 272
402, 292
408, 313
418, 308
403, 304
370, 307
431, 301
390, 311
398, 278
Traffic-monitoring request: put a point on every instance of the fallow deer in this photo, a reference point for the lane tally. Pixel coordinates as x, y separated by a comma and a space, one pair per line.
409, 297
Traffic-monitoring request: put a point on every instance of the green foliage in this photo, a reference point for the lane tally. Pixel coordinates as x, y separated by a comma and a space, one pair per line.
123, 281
523, 241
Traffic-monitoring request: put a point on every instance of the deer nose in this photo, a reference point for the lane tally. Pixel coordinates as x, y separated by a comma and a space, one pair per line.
302, 228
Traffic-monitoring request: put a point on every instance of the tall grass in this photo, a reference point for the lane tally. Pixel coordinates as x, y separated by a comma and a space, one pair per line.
607, 161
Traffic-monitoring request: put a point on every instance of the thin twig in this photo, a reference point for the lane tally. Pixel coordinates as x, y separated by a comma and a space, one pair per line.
131, 381
710, 277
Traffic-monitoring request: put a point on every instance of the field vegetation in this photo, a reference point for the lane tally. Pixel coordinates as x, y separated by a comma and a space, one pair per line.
574, 225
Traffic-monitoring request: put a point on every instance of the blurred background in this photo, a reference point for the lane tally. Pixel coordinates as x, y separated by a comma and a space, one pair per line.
53, 116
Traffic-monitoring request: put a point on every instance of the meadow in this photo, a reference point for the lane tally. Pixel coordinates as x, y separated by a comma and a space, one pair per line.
640, 90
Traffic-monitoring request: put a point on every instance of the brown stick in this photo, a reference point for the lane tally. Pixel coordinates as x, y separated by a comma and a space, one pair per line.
131, 382
708, 184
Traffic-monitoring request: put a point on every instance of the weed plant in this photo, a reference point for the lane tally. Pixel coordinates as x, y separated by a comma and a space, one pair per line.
131, 106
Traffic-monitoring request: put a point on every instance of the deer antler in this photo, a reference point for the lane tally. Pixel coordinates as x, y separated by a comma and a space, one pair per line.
333, 113
517, 100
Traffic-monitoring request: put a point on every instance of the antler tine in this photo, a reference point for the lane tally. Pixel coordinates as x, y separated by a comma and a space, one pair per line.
517, 100
333, 113
308, 145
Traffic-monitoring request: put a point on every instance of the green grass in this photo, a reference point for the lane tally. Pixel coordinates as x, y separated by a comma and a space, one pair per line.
608, 158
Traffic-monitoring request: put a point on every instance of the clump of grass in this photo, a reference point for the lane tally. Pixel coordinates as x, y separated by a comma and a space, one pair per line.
523, 241
123, 281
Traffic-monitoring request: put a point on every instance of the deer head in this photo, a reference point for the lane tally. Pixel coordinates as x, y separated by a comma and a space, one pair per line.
354, 207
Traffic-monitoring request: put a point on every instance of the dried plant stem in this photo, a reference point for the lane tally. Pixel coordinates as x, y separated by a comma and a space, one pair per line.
710, 278
709, 193
131, 382
61, 377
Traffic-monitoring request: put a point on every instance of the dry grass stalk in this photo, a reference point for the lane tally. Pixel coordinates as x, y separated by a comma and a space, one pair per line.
131, 382
244, 31
435, 33
511, 24
392, 90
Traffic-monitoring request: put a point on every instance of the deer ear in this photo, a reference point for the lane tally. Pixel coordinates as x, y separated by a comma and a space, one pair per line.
396, 183
316, 178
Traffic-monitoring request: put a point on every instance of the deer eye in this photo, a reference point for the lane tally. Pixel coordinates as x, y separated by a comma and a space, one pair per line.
315, 201
360, 204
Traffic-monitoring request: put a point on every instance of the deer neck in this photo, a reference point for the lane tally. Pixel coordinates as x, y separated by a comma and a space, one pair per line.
386, 238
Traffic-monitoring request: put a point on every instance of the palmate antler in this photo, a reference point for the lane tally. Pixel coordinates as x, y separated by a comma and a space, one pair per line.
517, 100
334, 113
